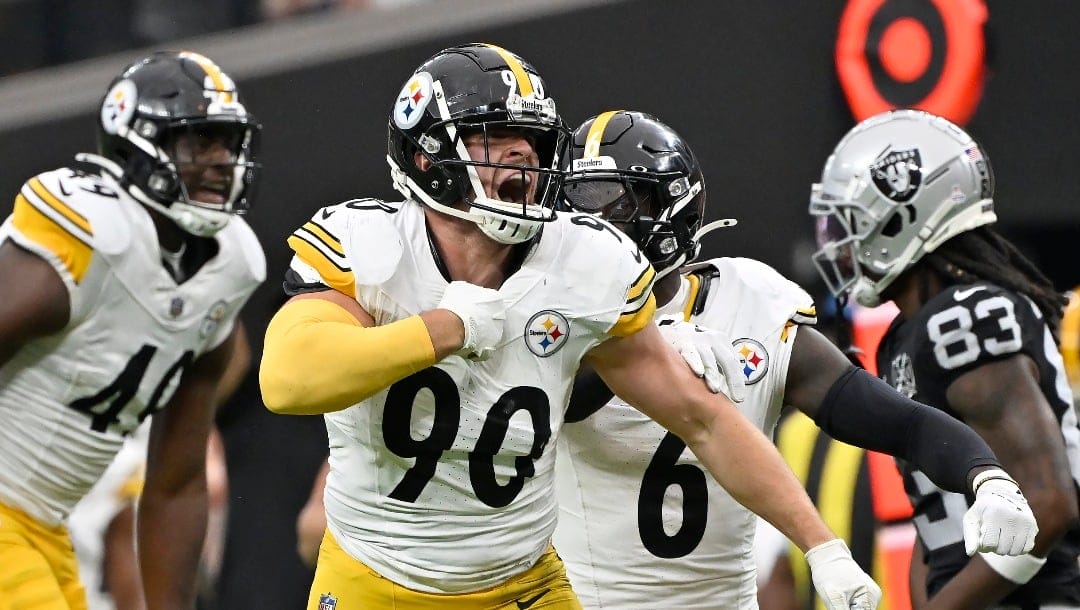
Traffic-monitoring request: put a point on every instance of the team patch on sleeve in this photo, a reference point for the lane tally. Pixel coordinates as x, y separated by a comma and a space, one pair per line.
640, 305
322, 251
45, 219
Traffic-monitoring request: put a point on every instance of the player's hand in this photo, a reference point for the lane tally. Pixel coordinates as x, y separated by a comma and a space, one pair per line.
482, 312
1000, 521
839, 581
709, 354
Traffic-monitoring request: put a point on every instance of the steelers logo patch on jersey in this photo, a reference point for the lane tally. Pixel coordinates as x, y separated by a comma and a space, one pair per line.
118, 106
413, 99
213, 318
546, 332
754, 358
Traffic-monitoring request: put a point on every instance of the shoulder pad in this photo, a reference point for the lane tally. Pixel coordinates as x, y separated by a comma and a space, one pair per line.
66, 215
354, 241
749, 276
240, 233
601, 246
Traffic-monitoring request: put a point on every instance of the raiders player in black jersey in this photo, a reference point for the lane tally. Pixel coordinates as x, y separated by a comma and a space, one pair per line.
904, 210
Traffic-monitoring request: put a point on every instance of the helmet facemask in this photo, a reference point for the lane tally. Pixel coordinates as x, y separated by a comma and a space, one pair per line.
523, 194
474, 98
202, 173
661, 212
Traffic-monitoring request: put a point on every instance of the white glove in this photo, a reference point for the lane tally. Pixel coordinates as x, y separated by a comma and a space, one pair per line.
1000, 521
709, 354
482, 312
839, 581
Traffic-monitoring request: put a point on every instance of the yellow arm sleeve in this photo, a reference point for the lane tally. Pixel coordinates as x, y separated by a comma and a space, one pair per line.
318, 358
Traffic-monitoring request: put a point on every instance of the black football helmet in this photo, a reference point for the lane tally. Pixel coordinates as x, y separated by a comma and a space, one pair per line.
477, 89
147, 107
640, 175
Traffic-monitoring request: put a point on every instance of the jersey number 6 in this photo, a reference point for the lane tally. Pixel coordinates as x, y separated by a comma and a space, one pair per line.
664, 471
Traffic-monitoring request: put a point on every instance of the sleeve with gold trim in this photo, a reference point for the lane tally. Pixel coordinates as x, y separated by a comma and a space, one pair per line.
607, 263
46, 220
753, 288
319, 254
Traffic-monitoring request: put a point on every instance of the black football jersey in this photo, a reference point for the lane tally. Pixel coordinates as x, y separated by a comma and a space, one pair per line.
958, 330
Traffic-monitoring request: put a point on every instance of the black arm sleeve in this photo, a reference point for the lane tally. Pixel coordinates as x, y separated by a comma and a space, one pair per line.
864, 411
590, 393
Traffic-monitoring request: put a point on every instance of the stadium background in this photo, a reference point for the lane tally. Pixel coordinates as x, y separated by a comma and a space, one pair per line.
752, 85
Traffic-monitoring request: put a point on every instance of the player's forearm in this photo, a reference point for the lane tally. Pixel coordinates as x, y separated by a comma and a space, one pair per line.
864, 411
749, 467
171, 531
318, 358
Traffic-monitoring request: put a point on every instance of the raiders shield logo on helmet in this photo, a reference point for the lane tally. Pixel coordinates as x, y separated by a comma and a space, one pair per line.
898, 174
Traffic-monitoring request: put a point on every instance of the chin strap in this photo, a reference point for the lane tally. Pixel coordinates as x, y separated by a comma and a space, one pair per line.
198, 221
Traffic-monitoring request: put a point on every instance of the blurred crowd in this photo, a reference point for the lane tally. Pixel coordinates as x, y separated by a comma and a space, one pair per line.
40, 33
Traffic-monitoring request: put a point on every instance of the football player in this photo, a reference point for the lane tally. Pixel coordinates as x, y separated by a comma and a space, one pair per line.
638, 520
126, 274
905, 212
440, 336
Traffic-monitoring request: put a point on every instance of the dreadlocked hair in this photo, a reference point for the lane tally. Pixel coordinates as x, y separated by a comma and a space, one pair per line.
983, 254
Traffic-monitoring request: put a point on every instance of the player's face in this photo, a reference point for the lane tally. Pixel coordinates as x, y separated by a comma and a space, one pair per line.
205, 158
505, 147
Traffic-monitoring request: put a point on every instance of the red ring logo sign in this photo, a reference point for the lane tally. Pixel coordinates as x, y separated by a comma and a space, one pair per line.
925, 54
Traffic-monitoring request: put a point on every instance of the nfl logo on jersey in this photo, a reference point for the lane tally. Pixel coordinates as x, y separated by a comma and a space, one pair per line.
327, 602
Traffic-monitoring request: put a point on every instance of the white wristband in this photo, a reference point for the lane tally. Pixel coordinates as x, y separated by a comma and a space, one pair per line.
1017, 568
990, 474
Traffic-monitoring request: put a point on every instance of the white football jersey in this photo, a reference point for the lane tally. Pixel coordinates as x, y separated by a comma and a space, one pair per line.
641, 522
68, 400
443, 482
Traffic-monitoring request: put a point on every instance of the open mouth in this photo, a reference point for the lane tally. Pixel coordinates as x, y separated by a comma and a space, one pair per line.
515, 188
214, 194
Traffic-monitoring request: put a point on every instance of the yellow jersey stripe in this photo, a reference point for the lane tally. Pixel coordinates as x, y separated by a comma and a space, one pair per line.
72, 251
596, 134
323, 236
642, 284
695, 287
632, 321
332, 275
525, 88
213, 71
62, 208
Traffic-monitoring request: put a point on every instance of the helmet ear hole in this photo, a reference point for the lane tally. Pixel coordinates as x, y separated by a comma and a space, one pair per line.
893, 226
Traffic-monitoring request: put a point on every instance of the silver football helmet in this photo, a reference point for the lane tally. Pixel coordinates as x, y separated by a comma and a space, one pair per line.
896, 187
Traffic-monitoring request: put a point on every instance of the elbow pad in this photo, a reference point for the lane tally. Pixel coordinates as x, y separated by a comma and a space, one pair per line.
318, 358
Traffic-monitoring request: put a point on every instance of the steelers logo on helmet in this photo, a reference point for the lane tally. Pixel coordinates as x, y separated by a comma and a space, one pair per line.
118, 106
546, 332
898, 174
754, 359
413, 99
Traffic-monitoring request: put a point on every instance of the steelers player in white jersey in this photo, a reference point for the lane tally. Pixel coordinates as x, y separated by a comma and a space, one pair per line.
440, 336
126, 272
906, 211
640, 525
